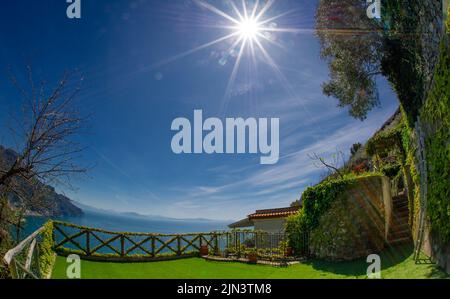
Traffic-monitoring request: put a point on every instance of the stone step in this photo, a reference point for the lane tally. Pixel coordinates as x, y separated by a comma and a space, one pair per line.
400, 241
400, 205
402, 197
399, 227
400, 220
401, 214
399, 234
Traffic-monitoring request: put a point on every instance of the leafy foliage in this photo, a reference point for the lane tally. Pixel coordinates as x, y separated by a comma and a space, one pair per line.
355, 148
391, 170
351, 43
47, 255
295, 227
358, 49
436, 112
402, 61
384, 142
317, 199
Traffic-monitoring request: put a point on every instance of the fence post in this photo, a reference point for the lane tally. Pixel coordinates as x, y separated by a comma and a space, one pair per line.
122, 245
239, 243
88, 242
216, 244
178, 245
153, 246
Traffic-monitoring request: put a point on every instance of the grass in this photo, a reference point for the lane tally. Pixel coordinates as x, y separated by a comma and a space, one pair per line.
396, 263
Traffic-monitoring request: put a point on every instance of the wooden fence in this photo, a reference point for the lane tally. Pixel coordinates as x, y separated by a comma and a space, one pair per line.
98, 244
23, 260
101, 244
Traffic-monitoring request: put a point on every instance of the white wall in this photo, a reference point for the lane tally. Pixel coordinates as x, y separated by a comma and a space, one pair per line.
271, 225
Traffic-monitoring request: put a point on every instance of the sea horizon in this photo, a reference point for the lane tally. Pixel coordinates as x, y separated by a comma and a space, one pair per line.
127, 222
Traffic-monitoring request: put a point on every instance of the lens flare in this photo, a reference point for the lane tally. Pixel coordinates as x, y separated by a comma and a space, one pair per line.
249, 28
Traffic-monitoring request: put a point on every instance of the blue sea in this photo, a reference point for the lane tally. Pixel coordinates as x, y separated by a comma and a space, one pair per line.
117, 222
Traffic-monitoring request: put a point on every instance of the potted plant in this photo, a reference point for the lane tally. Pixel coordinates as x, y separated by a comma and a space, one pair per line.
204, 250
252, 255
289, 251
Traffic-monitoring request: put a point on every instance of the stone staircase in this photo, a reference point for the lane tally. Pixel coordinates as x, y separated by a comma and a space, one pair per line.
400, 232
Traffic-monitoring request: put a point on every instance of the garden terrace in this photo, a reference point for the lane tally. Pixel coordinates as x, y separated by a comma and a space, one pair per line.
64, 239
35, 257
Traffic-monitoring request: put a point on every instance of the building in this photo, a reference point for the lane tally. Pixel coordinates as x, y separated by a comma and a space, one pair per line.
269, 220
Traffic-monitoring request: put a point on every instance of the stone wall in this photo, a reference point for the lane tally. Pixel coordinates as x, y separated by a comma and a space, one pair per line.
355, 224
432, 26
432, 30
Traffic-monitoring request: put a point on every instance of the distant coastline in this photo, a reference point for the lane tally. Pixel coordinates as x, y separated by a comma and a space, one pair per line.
118, 222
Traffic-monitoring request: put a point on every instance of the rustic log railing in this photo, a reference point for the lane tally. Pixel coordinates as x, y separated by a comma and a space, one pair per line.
23, 260
96, 244
101, 244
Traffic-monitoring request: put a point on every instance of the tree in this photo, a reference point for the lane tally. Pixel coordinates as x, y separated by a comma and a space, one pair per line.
332, 167
351, 43
355, 148
49, 122
46, 151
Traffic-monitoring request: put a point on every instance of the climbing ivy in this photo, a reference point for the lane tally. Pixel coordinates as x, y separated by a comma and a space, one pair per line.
384, 142
317, 199
402, 62
46, 253
436, 115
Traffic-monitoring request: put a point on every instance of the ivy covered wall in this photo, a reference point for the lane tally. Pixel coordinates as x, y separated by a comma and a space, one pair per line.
345, 217
435, 115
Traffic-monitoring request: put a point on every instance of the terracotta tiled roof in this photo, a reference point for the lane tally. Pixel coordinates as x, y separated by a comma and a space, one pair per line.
274, 213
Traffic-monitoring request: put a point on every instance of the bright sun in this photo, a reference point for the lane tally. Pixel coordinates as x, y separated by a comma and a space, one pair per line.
249, 28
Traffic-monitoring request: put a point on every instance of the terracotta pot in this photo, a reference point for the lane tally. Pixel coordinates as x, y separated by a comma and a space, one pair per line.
204, 250
289, 251
252, 258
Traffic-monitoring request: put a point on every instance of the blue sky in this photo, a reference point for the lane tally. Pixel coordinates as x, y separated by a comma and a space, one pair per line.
134, 90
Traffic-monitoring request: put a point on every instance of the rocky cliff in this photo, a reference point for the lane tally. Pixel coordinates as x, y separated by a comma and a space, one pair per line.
49, 203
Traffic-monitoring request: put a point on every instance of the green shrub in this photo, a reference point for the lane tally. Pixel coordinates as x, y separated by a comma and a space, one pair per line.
402, 61
316, 200
295, 226
46, 253
384, 142
391, 170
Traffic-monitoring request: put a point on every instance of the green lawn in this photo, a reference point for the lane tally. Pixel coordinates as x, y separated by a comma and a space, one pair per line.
396, 263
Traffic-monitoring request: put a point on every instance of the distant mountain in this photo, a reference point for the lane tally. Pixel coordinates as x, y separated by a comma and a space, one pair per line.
86, 208
53, 204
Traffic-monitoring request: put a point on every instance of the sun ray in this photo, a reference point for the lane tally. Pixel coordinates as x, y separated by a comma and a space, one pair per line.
264, 9
255, 9
189, 52
236, 10
277, 16
251, 26
283, 80
289, 30
274, 66
244, 7
235, 71
216, 10
271, 41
